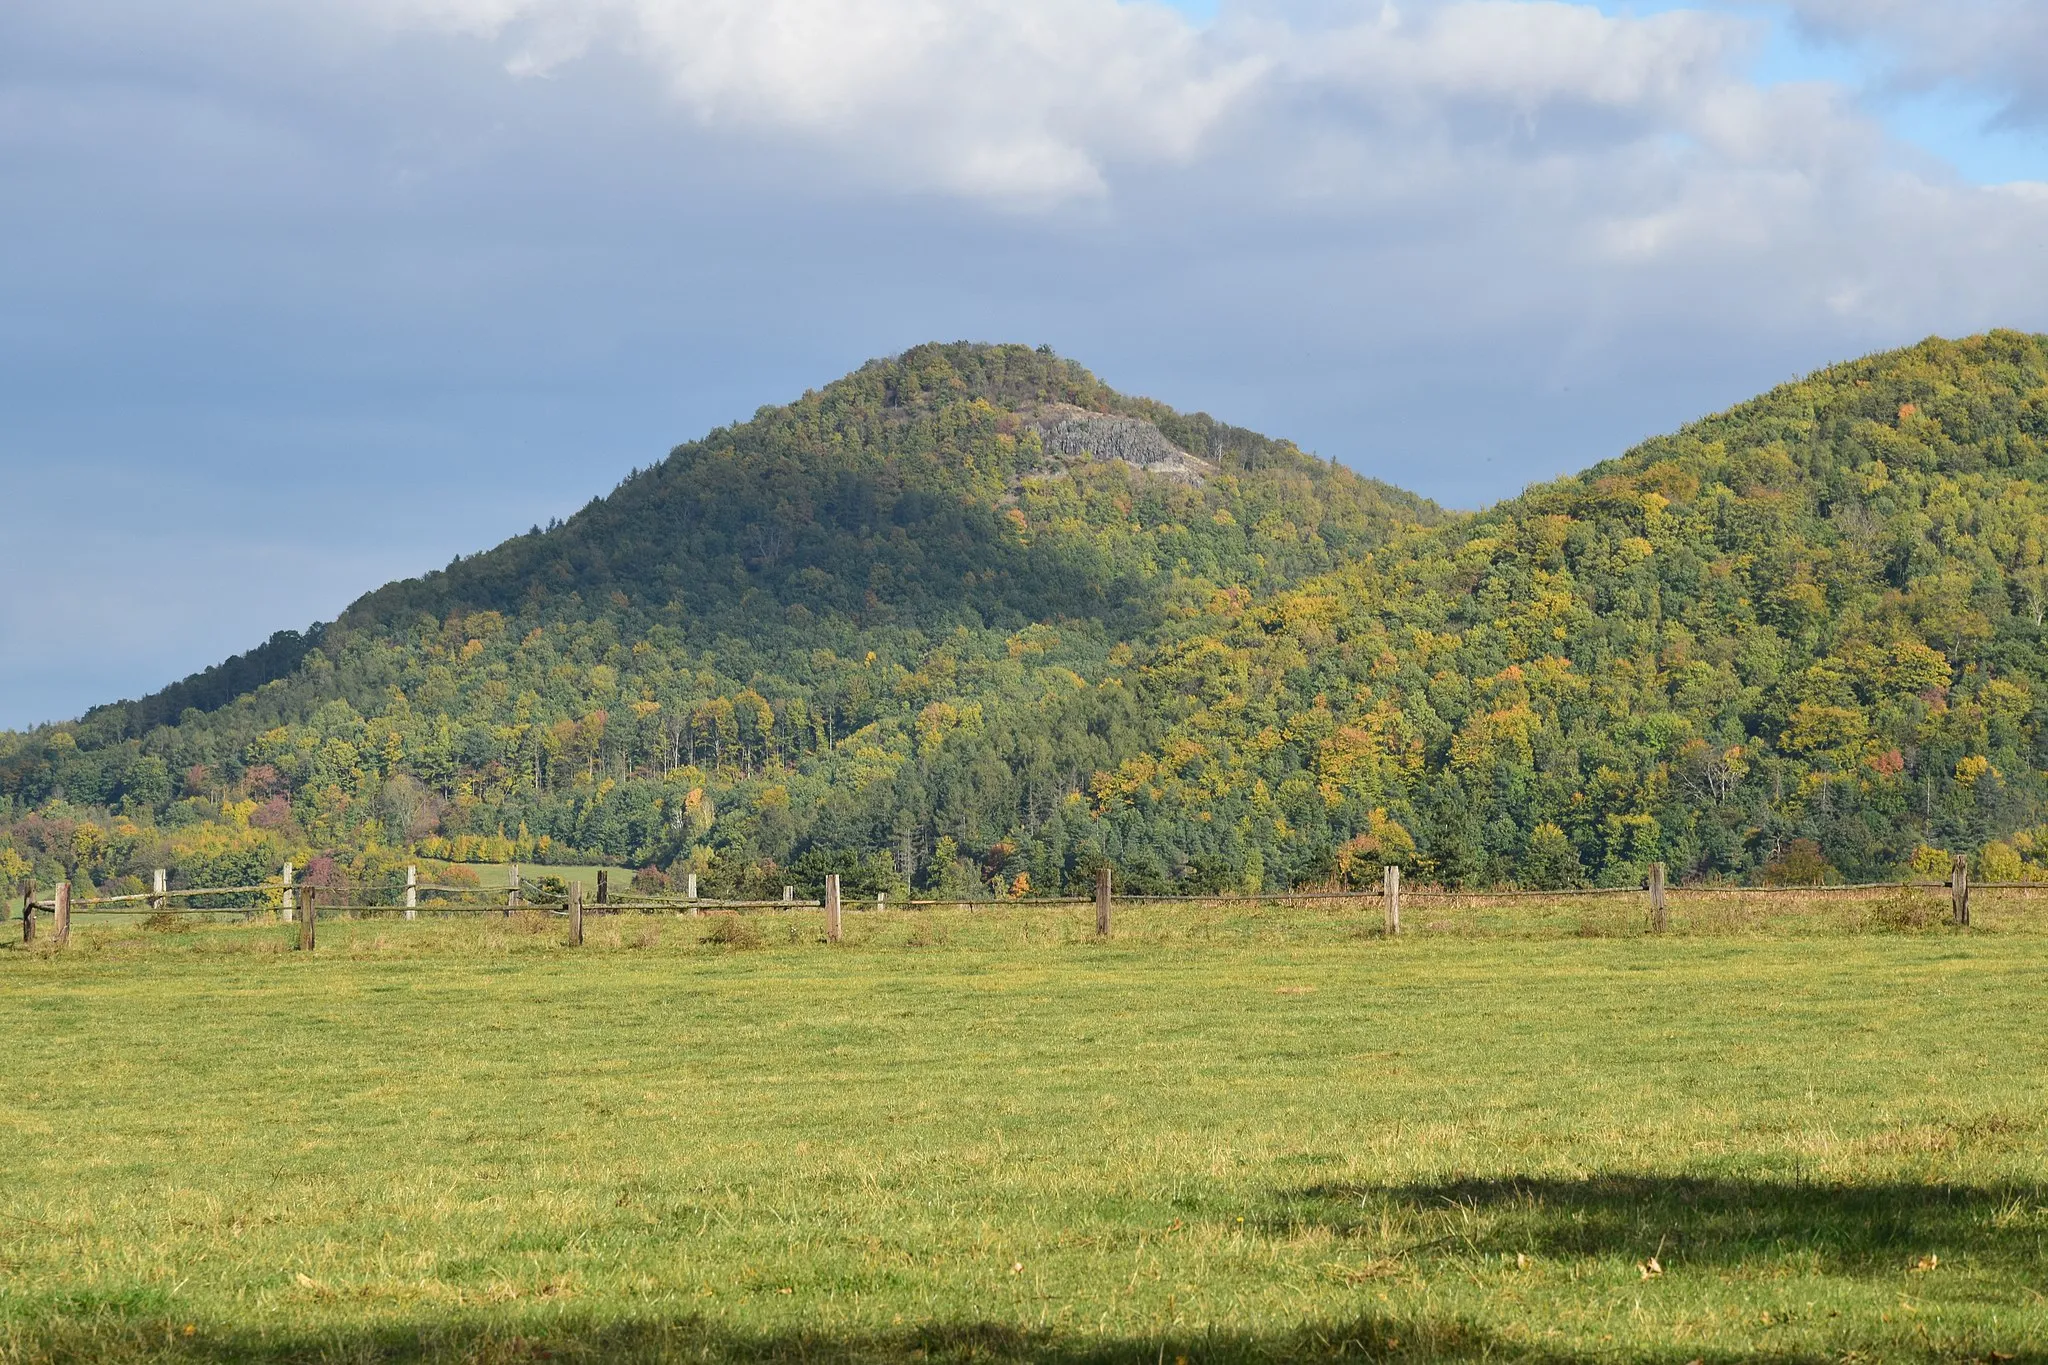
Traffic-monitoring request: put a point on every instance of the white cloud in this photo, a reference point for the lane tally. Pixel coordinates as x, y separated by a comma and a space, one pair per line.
1027, 103
1996, 47
1525, 55
1539, 130
1640, 133
1041, 102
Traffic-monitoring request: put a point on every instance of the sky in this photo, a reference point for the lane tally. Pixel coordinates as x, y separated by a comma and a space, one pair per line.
299, 296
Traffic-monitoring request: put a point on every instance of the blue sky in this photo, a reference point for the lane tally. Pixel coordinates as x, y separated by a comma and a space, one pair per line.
296, 298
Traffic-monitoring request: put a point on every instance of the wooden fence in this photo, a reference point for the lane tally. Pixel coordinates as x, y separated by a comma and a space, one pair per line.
294, 901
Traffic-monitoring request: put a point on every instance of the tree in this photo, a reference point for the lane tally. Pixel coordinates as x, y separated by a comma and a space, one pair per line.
1799, 863
1552, 862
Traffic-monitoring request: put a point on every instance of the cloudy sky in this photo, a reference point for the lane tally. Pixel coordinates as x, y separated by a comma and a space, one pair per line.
297, 296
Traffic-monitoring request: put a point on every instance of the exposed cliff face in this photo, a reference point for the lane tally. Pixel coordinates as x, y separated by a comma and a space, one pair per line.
1072, 433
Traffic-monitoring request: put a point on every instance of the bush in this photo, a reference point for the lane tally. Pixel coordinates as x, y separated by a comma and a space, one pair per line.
1931, 862
733, 931
2000, 863
1904, 910
1799, 863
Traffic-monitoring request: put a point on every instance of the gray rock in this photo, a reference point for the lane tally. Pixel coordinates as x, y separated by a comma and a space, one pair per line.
1071, 433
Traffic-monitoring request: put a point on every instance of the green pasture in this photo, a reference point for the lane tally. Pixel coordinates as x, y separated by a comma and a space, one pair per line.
498, 876
1241, 1133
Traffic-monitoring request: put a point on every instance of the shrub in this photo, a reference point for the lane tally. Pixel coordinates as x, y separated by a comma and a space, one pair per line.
733, 931
1799, 863
527, 921
1904, 910
2000, 863
1931, 862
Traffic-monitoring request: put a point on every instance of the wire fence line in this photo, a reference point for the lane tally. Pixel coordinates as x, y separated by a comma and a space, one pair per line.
290, 899
142, 902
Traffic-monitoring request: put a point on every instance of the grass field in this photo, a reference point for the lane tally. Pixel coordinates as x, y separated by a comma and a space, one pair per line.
982, 1136
498, 876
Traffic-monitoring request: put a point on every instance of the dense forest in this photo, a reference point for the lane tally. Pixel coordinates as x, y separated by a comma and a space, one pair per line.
971, 623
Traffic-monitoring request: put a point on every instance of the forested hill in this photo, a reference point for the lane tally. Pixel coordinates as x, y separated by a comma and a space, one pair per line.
949, 486
953, 486
1800, 639
969, 621
742, 637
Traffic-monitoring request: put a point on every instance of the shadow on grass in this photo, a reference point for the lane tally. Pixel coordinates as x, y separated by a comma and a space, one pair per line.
1875, 1232
1369, 1338
1864, 1230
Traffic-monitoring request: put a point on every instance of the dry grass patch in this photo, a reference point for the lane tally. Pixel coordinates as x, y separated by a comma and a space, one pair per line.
733, 931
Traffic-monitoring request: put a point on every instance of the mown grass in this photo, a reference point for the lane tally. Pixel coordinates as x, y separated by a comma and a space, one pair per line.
498, 876
1230, 1134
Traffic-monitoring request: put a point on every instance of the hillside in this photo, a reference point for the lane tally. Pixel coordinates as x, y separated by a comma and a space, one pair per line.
1801, 638
970, 621
743, 653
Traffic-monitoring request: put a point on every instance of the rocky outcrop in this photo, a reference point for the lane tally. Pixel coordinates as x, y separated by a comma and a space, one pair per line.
1071, 433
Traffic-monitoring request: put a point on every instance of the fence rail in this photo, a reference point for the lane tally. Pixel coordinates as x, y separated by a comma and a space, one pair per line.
183, 895
307, 902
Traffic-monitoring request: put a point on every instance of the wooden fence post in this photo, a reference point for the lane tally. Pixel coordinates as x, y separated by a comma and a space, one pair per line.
1390, 892
159, 882
831, 907
575, 914
28, 915
1959, 888
60, 911
690, 894
512, 893
307, 914
881, 901
1657, 918
1103, 885
788, 895
288, 903
412, 891
604, 887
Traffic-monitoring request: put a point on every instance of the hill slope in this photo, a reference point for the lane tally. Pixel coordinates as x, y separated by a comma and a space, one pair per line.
742, 647
970, 621
1816, 617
